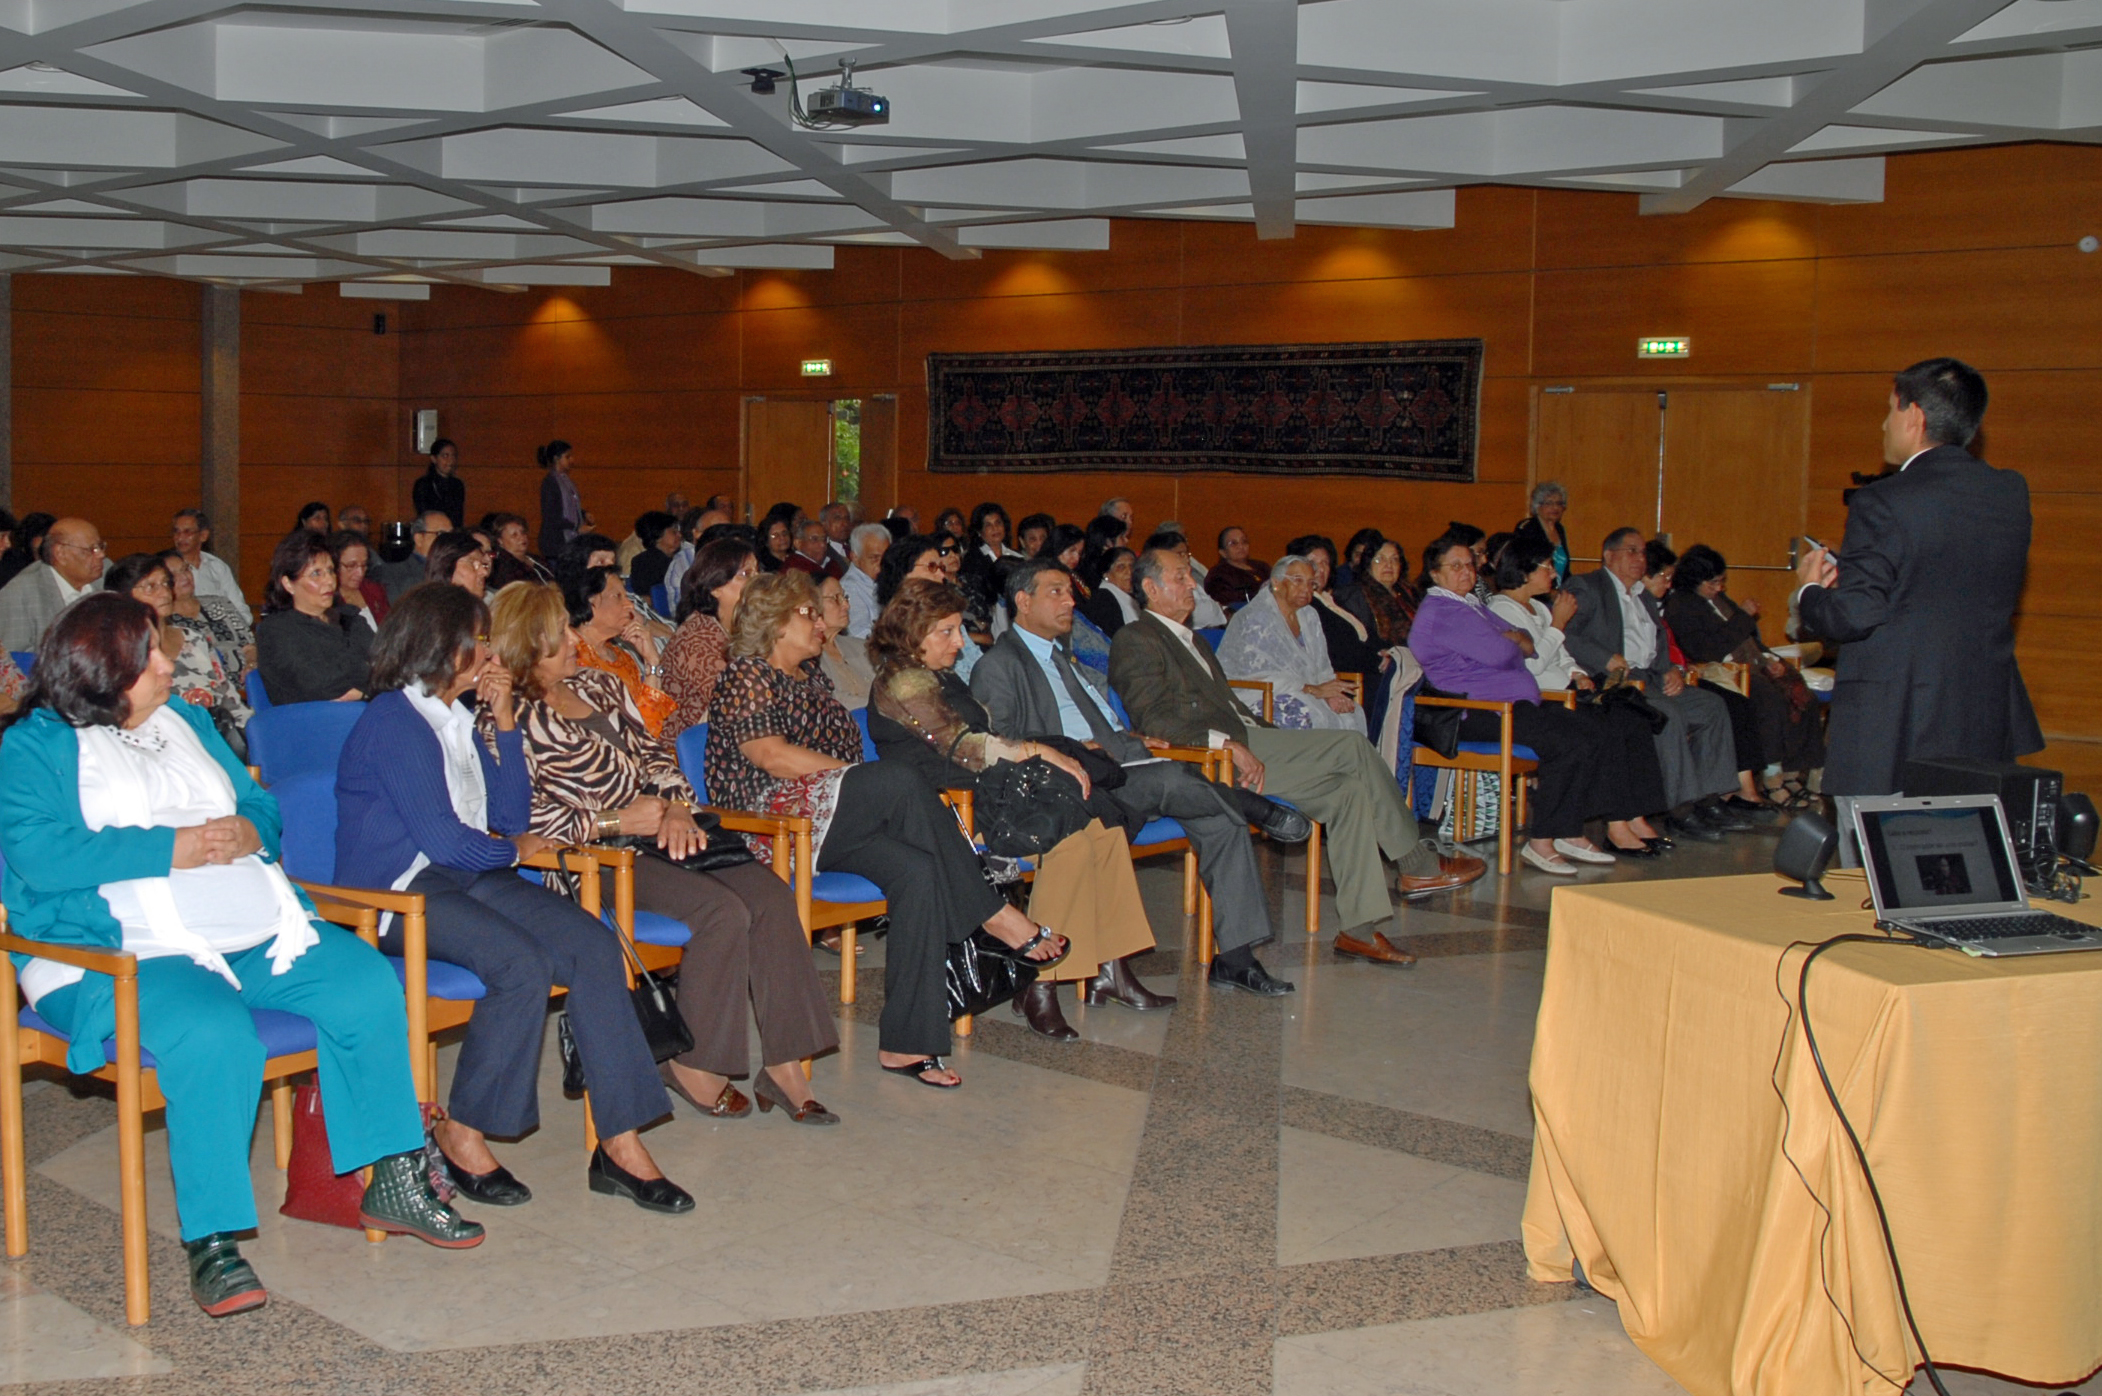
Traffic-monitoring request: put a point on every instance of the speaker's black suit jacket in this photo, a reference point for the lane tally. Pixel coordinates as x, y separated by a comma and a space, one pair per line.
1929, 577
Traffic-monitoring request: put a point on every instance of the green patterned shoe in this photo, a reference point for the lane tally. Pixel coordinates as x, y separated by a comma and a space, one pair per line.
221, 1281
398, 1199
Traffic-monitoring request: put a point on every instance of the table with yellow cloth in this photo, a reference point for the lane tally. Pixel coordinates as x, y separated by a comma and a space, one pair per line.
1661, 1062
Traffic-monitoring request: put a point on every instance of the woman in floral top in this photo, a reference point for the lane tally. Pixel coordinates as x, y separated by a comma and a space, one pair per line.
609, 637
700, 647
211, 618
596, 772
779, 743
200, 679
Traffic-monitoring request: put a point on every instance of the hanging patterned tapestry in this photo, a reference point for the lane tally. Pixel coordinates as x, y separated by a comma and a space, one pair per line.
1403, 410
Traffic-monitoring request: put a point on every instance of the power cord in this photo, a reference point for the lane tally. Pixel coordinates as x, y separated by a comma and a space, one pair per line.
1801, 1009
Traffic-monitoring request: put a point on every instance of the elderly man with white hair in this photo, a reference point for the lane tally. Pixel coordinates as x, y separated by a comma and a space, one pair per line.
867, 544
1277, 638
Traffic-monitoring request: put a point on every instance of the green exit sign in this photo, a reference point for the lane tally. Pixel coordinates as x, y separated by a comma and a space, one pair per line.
1663, 348
817, 368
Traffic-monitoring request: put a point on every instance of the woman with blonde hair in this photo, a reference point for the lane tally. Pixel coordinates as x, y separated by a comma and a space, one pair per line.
780, 743
922, 715
596, 773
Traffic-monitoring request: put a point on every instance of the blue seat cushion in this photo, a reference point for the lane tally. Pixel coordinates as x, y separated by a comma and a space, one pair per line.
844, 887
1523, 753
1159, 831
653, 929
282, 1034
444, 980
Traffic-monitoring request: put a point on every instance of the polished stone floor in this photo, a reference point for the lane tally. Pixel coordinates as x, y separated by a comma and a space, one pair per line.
1318, 1195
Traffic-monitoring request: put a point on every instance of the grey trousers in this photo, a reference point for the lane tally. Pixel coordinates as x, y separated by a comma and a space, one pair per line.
1219, 832
1340, 779
1697, 751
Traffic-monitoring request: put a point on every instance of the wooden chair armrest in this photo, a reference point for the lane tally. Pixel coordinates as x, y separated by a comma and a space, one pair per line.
361, 919
1479, 704
400, 903
1197, 755
118, 964
1265, 688
1563, 696
1356, 683
745, 822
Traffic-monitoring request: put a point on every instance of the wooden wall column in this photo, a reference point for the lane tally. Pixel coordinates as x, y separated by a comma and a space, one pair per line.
220, 470
7, 391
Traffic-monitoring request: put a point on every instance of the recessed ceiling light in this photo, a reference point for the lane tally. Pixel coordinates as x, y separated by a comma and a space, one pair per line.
39, 66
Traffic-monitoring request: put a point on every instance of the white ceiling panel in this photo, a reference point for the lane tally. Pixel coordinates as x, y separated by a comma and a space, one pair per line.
511, 142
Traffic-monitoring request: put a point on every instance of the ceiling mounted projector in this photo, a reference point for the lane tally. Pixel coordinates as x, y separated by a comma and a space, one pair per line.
831, 108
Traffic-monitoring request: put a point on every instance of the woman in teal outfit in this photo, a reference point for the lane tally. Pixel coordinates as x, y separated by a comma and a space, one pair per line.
128, 824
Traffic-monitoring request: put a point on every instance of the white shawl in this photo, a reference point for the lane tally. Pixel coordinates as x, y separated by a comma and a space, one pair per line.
1258, 644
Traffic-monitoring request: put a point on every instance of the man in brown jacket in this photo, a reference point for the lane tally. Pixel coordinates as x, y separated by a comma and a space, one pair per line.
1173, 687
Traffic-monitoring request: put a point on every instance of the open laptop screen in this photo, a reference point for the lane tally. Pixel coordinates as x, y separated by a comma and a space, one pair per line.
1929, 859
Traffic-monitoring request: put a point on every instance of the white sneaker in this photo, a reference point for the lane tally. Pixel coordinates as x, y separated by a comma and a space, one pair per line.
1570, 848
1558, 866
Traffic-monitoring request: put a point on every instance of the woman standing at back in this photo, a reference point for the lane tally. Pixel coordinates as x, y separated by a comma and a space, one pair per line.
562, 512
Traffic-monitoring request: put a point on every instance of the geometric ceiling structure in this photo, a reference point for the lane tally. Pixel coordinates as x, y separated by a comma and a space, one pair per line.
395, 143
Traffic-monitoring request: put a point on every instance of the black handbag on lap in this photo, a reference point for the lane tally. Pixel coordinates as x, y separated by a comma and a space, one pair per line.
723, 849
1024, 809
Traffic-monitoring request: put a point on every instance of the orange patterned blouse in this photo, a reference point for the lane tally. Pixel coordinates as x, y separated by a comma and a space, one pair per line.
654, 704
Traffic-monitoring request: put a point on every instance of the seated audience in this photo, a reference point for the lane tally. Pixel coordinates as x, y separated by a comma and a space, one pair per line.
609, 637
1064, 545
191, 533
352, 518
128, 825
13, 684
426, 806
813, 554
868, 543
1548, 503
458, 556
1173, 688
25, 545
1234, 580
845, 659
514, 562
1031, 690
923, 716
1118, 508
1350, 568
1595, 764
1616, 633
597, 772
1103, 532
596, 550
660, 538
211, 618
307, 650
694, 526
984, 567
1277, 638
353, 556
700, 648
778, 743
69, 566
1523, 577
776, 544
950, 522
1389, 594
838, 520
199, 679
1349, 630
314, 517
410, 571
1109, 604
1205, 613
1031, 532
933, 560
1709, 628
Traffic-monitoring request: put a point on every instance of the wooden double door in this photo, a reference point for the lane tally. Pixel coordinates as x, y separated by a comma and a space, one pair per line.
1721, 463
792, 451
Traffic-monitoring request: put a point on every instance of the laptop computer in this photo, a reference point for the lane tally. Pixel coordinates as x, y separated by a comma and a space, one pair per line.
1943, 867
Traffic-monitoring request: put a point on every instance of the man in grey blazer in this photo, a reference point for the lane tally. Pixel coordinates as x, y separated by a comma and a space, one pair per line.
1014, 681
1173, 687
1618, 628
71, 565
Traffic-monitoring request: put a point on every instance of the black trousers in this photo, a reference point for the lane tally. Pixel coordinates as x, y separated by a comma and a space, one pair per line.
521, 940
1744, 728
892, 829
1594, 764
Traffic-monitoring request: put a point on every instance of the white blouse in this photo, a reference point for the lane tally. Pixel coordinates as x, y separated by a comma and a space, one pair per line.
1549, 663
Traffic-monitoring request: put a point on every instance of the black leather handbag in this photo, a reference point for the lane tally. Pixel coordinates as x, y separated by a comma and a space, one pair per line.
1023, 809
983, 974
1437, 729
723, 849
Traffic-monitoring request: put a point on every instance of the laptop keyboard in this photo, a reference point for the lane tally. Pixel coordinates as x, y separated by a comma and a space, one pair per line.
2036, 923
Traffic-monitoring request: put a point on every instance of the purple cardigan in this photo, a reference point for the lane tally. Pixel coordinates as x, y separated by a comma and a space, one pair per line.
1465, 651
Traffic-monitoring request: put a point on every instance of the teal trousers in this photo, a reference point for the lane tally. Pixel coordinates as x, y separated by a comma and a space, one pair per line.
211, 1064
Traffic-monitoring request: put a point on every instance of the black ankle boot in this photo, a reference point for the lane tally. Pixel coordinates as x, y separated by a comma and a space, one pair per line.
1038, 1006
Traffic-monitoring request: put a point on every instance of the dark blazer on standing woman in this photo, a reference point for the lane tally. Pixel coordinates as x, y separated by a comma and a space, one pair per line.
1929, 576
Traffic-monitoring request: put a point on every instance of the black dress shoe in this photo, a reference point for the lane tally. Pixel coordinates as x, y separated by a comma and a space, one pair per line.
1117, 984
1251, 979
650, 1194
1717, 815
1645, 849
1688, 827
1279, 823
1037, 1005
496, 1187
1661, 844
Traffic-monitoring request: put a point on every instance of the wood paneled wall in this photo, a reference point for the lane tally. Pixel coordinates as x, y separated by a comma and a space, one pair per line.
1972, 253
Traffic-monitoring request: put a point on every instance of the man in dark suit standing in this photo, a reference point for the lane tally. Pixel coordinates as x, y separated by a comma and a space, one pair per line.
1014, 680
1922, 593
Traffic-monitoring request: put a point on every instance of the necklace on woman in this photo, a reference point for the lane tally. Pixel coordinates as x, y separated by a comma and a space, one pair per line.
150, 740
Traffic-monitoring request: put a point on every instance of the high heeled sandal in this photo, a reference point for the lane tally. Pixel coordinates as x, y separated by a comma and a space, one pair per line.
1020, 953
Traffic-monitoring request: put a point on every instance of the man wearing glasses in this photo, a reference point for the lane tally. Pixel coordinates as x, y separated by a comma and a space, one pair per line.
71, 565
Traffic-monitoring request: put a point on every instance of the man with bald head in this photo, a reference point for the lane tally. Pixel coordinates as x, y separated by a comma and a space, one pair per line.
70, 566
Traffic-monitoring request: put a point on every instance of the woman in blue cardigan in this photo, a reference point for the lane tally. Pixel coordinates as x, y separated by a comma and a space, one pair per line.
424, 805
128, 824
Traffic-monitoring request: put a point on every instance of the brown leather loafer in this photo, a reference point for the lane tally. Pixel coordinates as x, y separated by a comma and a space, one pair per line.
1454, 870
1379, 949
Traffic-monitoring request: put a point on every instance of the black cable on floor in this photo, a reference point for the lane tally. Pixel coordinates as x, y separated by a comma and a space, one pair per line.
1802, 1010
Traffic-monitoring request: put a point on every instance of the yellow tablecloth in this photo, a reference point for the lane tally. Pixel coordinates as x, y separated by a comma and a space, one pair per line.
1660, 1066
